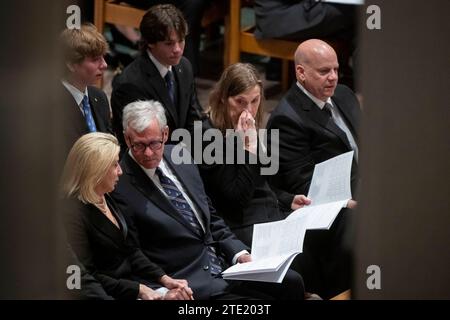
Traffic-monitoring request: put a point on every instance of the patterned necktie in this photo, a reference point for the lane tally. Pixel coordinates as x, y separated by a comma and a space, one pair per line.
179, 202
88, 115
170, 83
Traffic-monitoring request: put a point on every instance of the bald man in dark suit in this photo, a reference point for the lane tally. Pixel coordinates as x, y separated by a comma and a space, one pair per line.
317, 119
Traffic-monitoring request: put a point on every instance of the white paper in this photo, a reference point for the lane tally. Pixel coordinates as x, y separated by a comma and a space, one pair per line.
264, 265
317, 217
274, 247
275, 244
331, 180
270, 240
269, 276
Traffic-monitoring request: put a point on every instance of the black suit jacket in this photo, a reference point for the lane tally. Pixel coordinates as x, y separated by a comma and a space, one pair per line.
141, 80
110, 254
90, 288
165, 236
308, 136
302, 19
75, 124
238, 191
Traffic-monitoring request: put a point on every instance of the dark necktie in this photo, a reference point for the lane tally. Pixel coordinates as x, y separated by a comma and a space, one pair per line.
170, 83
179, 202
327, 109
344, 128
88, 115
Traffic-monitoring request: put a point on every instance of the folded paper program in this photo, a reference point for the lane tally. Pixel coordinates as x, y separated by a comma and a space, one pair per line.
275, 244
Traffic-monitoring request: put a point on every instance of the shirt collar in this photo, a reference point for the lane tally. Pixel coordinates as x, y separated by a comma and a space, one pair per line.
317, 102
149, 172
162, 69
76, 94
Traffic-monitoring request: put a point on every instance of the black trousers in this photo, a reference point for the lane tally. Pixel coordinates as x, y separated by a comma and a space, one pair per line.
326, 261
291, 288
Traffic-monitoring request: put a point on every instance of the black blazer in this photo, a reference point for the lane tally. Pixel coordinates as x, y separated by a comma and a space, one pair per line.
110, 254
75, 124
141, 80
239, 192
308, 137
166, 237
91, 288
302, 19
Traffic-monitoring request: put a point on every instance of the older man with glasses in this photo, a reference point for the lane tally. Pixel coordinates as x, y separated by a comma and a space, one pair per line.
174, 221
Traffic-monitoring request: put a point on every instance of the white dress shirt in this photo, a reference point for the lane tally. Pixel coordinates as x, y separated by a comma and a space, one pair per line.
162, 69
76, 94
337, 118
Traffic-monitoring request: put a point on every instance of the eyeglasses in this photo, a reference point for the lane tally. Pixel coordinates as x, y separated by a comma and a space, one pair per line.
154, 145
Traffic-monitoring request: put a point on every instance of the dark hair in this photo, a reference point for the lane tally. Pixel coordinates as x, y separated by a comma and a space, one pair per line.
158, 21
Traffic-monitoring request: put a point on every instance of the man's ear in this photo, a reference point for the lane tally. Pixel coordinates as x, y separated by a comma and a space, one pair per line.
165, 132
300, 72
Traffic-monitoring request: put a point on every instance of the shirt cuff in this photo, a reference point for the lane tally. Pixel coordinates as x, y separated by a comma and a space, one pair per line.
162, 291
237, 255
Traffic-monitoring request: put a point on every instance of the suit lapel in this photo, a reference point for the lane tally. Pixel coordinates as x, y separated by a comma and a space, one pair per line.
189, 188
120, 219
94, 101
350, 116
158, 87
183, 92
76, 118
105, 226
296, 98
145, 185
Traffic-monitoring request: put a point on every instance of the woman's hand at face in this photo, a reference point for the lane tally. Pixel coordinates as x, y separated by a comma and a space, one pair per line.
247, 127
245, 122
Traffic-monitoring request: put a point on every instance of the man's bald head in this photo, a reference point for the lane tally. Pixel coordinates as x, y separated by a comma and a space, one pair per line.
310, 49
316, 68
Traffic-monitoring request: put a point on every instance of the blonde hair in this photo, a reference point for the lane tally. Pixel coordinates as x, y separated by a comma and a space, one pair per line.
235, 79
87, 164
77, 44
